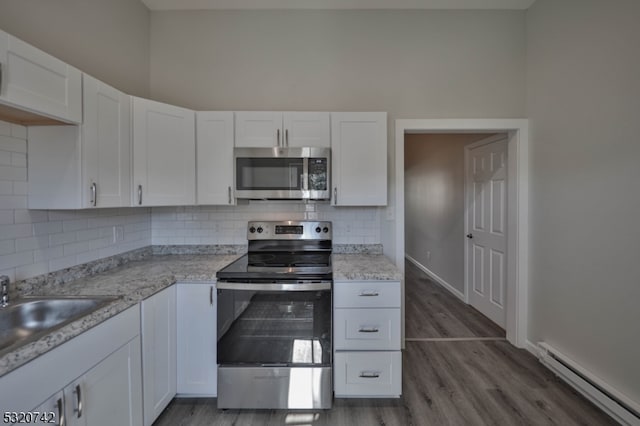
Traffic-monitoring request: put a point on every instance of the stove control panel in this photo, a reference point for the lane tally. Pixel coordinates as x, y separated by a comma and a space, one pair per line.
289, 230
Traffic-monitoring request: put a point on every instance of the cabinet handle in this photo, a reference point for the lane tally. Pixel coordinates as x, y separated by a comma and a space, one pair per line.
335, 195
140, 195
369, 293
94, 194
286, 137
368, 330
211, 296
278, 136
60, 404
78, 393
0, 78
369, 375
229, 195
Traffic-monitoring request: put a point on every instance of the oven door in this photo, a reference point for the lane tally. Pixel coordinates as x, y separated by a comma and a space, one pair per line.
274, 345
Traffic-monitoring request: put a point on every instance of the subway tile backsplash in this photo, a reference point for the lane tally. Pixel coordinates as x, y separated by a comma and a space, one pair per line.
228, 224
35, 242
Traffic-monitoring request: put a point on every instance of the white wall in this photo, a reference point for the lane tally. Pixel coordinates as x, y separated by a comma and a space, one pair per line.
34, 242
412, 64
583, 101
228, 224
108, 39
434, 202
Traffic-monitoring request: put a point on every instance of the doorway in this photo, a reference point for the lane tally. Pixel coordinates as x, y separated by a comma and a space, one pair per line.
517, 191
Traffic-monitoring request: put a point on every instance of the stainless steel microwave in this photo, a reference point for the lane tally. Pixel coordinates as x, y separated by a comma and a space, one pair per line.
282, 173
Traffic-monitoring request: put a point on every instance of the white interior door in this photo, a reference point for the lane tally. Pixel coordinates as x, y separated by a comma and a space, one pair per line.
487, 227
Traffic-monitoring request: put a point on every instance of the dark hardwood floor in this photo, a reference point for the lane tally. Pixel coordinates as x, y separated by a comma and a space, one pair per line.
458, 383
433, 312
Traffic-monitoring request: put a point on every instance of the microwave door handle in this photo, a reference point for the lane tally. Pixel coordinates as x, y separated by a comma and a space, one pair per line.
305, 174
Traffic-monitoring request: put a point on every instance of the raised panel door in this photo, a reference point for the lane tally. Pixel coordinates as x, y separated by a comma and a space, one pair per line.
486, 224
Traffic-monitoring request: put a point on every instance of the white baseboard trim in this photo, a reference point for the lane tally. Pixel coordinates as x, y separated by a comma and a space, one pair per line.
436, 278
606, 397
532, 348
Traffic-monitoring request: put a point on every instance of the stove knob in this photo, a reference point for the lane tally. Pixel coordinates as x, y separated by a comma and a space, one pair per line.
318, 229
252, 230
260, 229
325, 229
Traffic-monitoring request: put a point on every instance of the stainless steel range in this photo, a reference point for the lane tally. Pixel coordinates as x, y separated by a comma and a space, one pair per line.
274, 319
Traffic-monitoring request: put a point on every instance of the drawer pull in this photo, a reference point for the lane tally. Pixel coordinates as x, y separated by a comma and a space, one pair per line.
369, 330
369, 293
369, 375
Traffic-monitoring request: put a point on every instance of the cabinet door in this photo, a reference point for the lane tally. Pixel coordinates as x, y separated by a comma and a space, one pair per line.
110, 393
164, 158
214, 141
52, 411
258, 129
302, 129
359, 158
197, 366
106, 143
37, 82
158, 352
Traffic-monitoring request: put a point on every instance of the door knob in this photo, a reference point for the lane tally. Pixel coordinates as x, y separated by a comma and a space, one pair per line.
469, 236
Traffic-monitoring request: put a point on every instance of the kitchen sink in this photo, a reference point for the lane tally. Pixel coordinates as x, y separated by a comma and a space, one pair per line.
26, 320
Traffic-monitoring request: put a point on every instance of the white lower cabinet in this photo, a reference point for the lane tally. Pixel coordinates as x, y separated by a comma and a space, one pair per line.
108, 394
158, 314
197, 354
93, 379
367, 339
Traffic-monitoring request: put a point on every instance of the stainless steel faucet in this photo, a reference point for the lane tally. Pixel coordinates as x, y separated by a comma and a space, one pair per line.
4, 281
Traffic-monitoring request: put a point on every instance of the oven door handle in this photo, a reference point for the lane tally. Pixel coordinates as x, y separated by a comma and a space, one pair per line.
315, 286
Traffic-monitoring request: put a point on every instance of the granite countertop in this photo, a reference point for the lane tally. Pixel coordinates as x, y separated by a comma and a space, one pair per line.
358, 267
130, 283
139, 279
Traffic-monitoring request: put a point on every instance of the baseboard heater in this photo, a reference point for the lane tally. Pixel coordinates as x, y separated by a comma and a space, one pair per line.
618, 406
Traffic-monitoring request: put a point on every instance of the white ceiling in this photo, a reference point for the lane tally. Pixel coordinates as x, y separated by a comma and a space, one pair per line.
336, 4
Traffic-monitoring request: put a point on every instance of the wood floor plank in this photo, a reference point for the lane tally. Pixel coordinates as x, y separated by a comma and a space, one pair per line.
432, 311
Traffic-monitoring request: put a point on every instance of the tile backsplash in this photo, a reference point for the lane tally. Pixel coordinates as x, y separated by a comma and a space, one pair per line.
34, 242
228, 224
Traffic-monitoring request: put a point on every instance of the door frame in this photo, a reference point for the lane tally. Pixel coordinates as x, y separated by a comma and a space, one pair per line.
517, 131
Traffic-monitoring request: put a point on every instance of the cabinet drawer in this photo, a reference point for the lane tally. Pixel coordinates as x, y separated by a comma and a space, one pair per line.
367, 329
368, 374
366, 294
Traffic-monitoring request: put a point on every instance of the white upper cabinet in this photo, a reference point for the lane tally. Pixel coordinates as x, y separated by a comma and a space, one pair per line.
359, 158
73, 167
164, 154
38, 83
268, 129
307, 129
214, 144
106, 141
